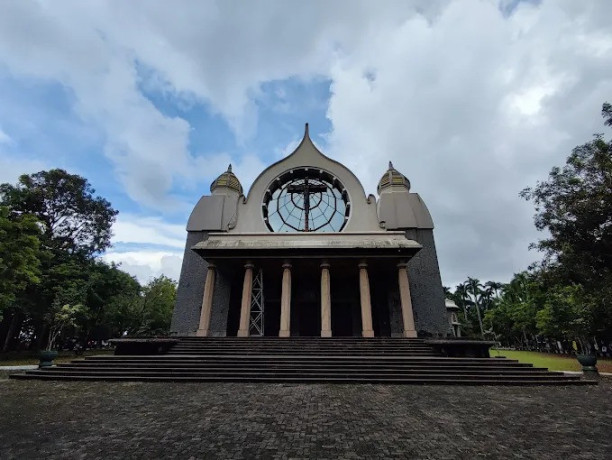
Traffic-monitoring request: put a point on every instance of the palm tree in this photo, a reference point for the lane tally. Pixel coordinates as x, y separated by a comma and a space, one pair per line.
462, 298
494, 288
475, 289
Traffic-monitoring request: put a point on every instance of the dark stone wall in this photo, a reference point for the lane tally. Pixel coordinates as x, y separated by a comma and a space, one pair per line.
426, 286
221, 303
186, 315
396, 321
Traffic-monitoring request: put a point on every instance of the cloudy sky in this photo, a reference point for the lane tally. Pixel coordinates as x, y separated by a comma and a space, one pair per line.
473, 100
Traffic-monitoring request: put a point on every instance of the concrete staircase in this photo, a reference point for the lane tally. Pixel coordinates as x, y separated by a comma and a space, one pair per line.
304, 360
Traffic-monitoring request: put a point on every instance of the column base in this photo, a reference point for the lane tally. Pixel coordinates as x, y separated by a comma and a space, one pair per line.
410, 334
284, 333
243, 333
202, 333
369, 333
326, 333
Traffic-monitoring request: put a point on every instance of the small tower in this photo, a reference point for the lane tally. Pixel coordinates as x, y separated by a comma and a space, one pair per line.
399, 209
227, 183
393, 181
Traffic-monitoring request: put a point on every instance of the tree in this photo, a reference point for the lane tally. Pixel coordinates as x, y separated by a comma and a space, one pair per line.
75, 226
493, 289
152, 314
19, 250
111, 295
72, 218
462, 299
59, 318
475, 289
575, 206
19, 269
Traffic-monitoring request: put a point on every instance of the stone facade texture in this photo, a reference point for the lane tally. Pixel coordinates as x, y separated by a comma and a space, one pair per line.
220, 306
186, 316
426, 286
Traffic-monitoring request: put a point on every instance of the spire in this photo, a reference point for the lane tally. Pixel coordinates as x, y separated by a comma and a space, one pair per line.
306, 131
227, 180
393, 178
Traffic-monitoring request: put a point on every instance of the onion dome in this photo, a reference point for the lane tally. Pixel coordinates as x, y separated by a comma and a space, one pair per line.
392, 178
229, 180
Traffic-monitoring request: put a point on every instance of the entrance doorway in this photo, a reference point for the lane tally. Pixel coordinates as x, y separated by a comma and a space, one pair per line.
308, 319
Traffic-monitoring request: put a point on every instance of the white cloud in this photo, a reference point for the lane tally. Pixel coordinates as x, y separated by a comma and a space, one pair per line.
131, 229
470, 104
5, 138
147, 264
473, 107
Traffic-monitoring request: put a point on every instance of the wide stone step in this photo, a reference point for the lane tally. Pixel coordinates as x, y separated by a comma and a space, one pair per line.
289, 365
305, 344
246, 353
301, 371
305, 349
420, 379
310, 339
369, 360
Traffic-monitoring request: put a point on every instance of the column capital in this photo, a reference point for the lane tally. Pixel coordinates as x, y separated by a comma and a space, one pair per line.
287, 264
249, 264
363, 264
402, 265
211, 265
325, 264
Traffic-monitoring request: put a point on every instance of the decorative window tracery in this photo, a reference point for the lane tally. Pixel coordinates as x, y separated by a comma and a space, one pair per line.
306, 200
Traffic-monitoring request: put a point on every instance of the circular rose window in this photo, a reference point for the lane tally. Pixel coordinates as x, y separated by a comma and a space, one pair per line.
306, 200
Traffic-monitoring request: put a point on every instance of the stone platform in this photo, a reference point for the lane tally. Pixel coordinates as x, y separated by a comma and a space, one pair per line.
304, 360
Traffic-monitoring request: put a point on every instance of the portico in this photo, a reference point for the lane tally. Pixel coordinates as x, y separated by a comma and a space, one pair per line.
308, 280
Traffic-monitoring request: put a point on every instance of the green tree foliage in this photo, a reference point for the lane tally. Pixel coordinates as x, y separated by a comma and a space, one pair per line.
72, 218
575, 206
154, 311
61, 317
19, 256
563, 314
73, 226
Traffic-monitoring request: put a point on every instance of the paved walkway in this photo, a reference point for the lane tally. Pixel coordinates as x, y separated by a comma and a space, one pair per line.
190, 420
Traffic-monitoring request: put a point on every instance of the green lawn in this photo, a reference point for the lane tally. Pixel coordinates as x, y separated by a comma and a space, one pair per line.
24, 358
550, 361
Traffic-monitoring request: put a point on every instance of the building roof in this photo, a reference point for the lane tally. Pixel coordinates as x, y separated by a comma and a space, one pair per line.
310, 245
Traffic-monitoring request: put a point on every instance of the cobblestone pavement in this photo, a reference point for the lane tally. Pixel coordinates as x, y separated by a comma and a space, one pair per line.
231, 420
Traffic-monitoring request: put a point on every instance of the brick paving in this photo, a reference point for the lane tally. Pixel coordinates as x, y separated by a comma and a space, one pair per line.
235, 420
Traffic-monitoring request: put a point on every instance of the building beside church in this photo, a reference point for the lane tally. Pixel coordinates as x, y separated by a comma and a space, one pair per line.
307, 253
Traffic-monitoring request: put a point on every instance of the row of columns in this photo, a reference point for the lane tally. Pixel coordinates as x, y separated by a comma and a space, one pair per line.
285, 316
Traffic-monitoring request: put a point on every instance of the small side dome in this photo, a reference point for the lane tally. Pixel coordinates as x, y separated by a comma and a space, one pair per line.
227, 179
392, 178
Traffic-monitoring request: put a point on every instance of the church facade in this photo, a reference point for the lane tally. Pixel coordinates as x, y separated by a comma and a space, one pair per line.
307, 253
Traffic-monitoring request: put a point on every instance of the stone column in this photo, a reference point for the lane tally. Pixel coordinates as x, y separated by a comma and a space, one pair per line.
366, 304
325, 301
406, 300
245, 308
285, 319
209, 285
